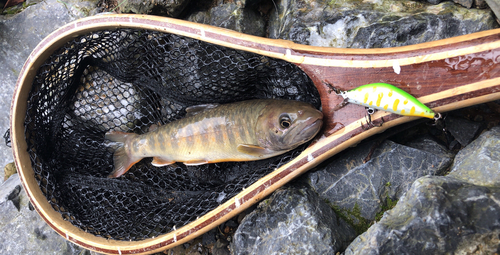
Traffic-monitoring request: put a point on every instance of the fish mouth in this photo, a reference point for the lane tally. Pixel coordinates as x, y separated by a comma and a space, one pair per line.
311, 129
311, 126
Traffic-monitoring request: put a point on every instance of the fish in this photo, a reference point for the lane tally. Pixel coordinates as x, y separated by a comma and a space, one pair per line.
387, 97
242, 131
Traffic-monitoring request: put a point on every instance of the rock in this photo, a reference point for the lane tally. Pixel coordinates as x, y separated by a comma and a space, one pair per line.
9, 170
221, 247
232, 16
465, 3
438, 215
294, 220
170, 8
479, 162
373, 24
10, 189
19, 34
463, 130
28, 233
360, 191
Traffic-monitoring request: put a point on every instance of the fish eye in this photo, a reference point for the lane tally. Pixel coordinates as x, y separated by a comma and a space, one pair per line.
285, 121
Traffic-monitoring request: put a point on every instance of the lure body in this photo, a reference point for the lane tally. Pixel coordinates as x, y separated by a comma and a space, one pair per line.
383, 96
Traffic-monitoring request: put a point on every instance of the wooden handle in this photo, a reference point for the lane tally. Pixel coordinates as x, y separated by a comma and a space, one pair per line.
445, 75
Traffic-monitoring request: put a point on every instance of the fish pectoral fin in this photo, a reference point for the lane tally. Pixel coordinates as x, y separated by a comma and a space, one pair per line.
196, 162
253, 150
157, 161
195, 109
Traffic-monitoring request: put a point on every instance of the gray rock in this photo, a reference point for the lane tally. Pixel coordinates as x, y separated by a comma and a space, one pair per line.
27, 232
19, 34
171, 8
465, 3
294, 220
360, 191
479, 162
438, 215
232, 16
10, 189
463, 130
373, 24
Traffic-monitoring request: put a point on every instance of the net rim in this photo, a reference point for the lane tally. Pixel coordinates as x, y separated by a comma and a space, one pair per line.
222, 213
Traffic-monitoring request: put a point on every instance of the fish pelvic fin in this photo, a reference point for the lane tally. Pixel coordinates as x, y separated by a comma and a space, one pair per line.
122, 159
158, 162
254, 150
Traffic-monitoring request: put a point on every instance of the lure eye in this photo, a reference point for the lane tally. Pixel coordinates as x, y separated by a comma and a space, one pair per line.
285, 121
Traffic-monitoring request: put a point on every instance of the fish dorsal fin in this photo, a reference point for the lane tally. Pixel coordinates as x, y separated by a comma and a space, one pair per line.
195, 109
154, 127
253, 150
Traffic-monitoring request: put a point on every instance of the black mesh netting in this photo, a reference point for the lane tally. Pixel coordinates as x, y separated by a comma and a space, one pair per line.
128, 80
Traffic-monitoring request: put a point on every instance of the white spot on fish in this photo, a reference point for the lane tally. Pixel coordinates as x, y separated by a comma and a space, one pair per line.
237, 202
221, 197
396, 67
310, 157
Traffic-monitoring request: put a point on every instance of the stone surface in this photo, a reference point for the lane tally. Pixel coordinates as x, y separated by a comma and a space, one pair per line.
373, 24
28, 233
438, 215
9, 170
170, 8
232, 16
360, 190
19, 34
479, 162
294, 220
463, 130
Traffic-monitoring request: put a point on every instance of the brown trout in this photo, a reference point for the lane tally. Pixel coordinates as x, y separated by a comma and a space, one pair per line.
242, 131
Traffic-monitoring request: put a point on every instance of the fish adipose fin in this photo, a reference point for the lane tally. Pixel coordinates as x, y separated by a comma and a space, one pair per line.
253, 150
195, 109
157, 161
196, 162
122, 161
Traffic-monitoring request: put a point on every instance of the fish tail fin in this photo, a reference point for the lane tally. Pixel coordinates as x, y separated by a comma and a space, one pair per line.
122, 160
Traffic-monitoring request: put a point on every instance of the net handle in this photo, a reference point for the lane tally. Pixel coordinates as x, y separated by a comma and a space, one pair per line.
442, 74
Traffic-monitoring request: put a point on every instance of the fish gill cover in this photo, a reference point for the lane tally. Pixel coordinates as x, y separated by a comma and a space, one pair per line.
127, 80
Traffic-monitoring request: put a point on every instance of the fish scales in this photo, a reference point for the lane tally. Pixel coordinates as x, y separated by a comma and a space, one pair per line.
248, 130
189, 137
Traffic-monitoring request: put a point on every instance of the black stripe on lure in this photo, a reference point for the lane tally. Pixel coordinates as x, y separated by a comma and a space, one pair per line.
387, 97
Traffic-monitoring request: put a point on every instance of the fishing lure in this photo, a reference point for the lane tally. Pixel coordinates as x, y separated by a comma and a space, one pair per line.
383, 96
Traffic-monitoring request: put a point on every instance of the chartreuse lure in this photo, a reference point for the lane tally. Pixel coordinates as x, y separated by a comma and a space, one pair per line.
383, 96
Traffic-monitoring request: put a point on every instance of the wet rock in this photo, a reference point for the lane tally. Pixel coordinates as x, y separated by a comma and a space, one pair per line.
461, 129
170, 8
360, 191
479, 162
19, 34
232, 16
294, 220
28, 233
465, 3
438, 215
374, 24
9, 170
